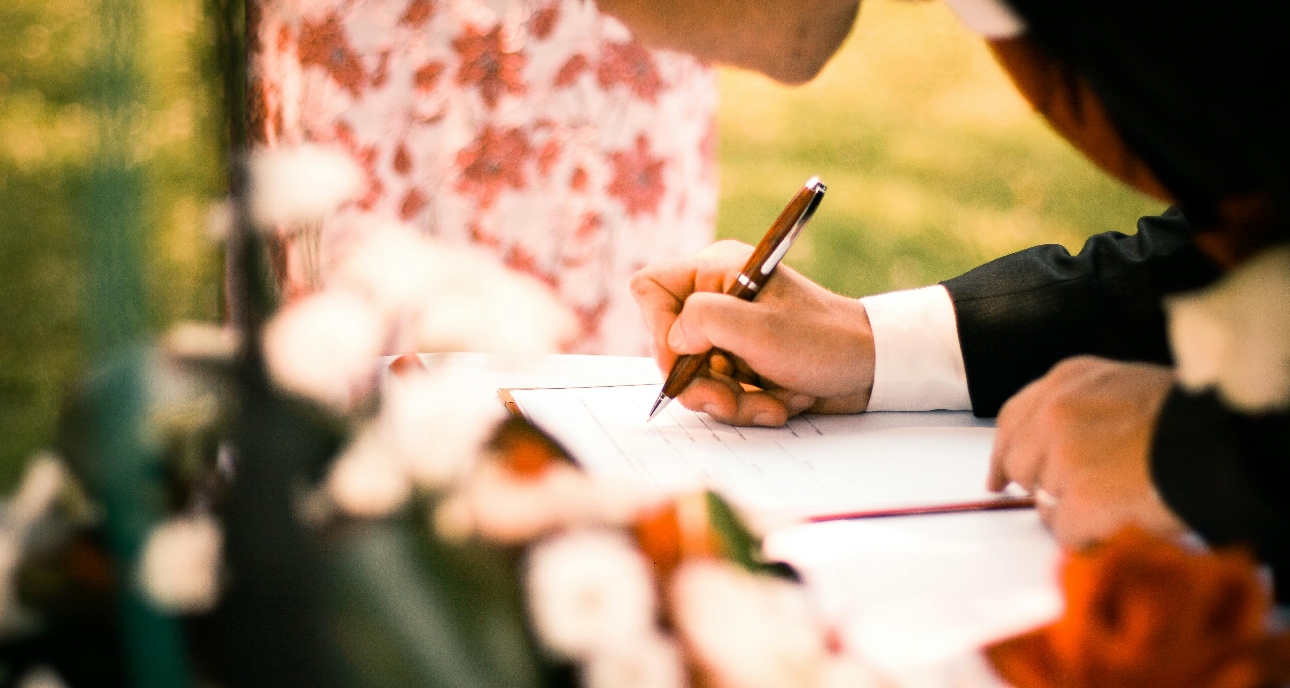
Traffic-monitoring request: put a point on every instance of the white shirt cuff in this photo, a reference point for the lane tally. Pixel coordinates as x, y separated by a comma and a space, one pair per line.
918, 365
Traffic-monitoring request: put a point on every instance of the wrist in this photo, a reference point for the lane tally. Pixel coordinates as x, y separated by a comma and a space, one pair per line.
860, 335
841, 375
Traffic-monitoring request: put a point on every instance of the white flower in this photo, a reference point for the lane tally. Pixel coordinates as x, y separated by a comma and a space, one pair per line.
301, 183
588, 591
41, 677
504, 507
393, 264
179, 569
462, 298
437, 423
12, 616
366, 481
477, 304
1235, 336
454, 519
966, 670
326, 347
651, 662
526, 317
44, 478
201, 341
459, 298
220, 217
847, 671
751, 631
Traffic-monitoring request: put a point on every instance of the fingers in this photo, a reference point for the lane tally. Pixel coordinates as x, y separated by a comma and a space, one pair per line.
727, 401
1078, 519
1032, 426
716, 320
1018, 450
659, 308
1079, 439
795, 402
661, 290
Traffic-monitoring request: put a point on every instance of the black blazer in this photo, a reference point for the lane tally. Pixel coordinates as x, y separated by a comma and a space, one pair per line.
1226, 474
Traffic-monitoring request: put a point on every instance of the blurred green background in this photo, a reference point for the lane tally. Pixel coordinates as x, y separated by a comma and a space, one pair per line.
934, 165
47, 139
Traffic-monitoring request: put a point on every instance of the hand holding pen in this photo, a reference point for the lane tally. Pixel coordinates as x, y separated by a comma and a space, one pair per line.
756, 272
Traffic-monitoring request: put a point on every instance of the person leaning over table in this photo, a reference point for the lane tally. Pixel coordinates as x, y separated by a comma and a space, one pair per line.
1183, 100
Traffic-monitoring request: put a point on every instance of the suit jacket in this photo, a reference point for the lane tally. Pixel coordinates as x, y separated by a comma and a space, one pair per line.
1224, 473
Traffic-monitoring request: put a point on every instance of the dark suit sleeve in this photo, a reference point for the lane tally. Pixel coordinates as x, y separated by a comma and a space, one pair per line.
1021, 314
1227, 475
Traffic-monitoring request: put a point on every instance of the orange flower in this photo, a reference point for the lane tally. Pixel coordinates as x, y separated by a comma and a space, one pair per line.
1143, 612
675, 531
406, 364
525, 450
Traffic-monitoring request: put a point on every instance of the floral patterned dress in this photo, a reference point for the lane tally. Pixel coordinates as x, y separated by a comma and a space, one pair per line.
536, 128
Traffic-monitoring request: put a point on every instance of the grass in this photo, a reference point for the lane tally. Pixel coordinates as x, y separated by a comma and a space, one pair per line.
47, 134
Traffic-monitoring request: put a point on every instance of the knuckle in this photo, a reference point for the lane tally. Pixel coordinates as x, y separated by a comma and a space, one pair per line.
1006, 412
1012, 414
699, 305
1075, 366
640, 282
1059, 410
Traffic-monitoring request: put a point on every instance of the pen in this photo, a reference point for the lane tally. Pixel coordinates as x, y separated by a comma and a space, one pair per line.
759, 268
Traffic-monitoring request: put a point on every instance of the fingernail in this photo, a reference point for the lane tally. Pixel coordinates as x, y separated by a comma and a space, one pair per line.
710, 409
764, 419
675, 338
800, 402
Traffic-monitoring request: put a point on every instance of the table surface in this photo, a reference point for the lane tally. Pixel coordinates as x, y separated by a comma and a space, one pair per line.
913, 594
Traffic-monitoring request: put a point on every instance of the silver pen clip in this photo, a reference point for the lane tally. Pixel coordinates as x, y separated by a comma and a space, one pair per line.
780, 251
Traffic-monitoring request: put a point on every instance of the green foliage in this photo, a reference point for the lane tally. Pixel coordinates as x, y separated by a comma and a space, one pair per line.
408, 610
738, 543
47, 140
43, 134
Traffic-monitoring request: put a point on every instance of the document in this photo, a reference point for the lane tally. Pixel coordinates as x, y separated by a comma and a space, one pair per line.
814, 468
915, 594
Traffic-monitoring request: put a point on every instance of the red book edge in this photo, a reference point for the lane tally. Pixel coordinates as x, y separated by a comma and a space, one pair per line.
983, 505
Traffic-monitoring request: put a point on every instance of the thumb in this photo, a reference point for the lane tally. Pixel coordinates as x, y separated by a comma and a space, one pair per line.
710, 320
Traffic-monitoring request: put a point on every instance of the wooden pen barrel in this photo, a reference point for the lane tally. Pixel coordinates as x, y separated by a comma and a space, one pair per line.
684, 371
751, 279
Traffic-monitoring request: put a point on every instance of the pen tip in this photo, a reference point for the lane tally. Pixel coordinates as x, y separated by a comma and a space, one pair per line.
659, 403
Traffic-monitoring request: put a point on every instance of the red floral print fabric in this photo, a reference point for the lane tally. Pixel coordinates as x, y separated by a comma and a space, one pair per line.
536, 128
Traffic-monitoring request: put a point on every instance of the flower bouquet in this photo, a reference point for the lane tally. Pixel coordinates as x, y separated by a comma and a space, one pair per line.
281, 510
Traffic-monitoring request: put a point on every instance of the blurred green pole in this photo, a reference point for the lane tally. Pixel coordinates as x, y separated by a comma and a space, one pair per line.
116, 309
240, 247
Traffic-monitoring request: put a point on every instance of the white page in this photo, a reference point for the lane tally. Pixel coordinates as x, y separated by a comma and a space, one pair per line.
816, 465
913, 593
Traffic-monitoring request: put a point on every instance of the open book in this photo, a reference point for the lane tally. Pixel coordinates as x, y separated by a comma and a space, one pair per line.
814, 468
